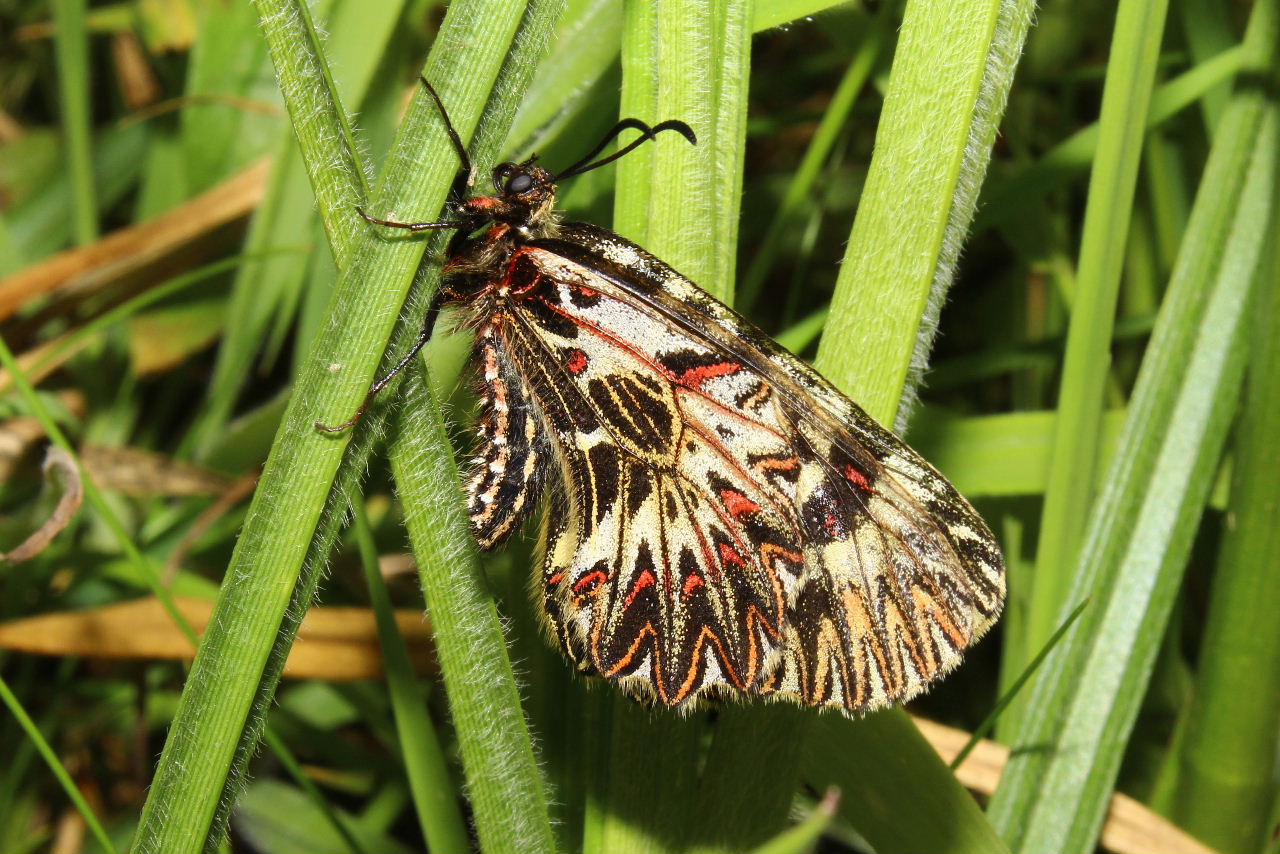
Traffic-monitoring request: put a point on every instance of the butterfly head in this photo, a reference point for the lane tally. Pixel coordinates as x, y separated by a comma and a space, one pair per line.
524, 197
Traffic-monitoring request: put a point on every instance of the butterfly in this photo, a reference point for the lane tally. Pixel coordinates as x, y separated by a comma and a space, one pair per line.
720, 520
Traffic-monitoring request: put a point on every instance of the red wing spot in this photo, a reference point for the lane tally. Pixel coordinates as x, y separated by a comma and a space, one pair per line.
729, 555
692, 583
584, 292
588, 583
577, 362
857, 478
833, 525
738, 504
695, 377
646, 579
555, 579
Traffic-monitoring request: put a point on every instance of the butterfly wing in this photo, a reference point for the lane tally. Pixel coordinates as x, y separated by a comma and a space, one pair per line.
727, 521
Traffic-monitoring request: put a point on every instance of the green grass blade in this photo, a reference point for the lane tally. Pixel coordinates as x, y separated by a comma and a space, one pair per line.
672, 196
804, 836
74, 75
59, 772
430, 783
506, 789
923, 196
228, 60
1224, 783
1135, 48
262, 600
1082, 704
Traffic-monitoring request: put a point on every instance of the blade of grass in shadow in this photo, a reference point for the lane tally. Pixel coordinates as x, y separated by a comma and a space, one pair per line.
294, 769
59, 771
72, 43
1081, 705
797, 195
1208, 29
295, 512
1135, 48
432, 787
901, 796
804, 836
1223, 782
227, 59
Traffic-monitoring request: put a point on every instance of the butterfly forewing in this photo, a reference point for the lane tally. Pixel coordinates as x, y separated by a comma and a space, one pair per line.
722, 519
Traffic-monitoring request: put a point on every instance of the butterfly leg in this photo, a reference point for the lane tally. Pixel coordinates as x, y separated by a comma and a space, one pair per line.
423, 337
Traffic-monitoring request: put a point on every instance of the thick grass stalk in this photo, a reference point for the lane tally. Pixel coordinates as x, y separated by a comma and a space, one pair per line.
435, 798
504, 786
253, 623
1224, 783
1131, 71
1082, 704
508, 795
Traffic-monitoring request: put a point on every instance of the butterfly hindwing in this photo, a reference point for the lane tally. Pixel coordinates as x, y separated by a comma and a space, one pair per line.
724, 521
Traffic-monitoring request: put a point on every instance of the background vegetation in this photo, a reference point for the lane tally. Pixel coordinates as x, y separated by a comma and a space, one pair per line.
1074, 318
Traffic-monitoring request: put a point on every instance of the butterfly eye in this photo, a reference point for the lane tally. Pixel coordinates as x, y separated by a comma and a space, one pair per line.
519, 183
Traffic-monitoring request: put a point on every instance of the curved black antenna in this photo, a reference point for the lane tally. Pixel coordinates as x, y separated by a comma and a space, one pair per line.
458, 147
646, 133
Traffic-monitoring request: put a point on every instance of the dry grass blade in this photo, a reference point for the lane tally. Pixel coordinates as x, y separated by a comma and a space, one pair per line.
1130, 828
139, 251
72, 497
334, 643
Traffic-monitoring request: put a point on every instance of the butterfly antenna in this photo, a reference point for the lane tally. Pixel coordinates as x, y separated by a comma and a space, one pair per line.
458, 147
647, 133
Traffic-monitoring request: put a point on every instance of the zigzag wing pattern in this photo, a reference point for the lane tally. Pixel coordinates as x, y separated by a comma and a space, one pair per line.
725, 521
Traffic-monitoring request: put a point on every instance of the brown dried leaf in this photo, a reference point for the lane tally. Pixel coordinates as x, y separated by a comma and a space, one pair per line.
145, 251
1130, 828
60, 461
133, 471
334, 643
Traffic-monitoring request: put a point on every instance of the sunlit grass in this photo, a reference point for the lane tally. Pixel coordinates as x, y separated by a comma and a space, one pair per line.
1092, 290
